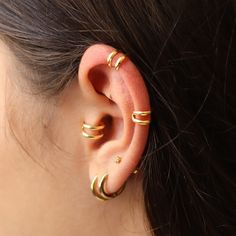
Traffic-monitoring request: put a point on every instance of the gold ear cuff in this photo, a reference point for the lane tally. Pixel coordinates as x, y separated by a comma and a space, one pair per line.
141, 114
118, 62
96, 128
99, 190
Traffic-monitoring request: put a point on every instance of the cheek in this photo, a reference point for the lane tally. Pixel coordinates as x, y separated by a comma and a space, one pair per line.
3, 80
6, 75
2, 106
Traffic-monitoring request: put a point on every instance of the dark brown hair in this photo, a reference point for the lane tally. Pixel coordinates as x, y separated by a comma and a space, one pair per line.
184, 50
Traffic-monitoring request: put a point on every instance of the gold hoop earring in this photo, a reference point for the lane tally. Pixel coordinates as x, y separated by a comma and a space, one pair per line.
139, 121
110, 57
118, 62
95, 193
103, 192
92, 128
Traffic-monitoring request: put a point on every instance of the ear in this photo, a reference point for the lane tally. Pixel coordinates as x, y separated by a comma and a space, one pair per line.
111, 96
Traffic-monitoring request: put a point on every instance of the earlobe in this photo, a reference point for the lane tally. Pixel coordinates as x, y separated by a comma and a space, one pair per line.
112, 128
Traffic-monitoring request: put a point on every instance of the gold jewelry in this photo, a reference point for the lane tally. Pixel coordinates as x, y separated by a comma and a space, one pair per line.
135, 172
95, 193
100, 194
141, 113
118, 62
92, 128
110, 57
118, 160
103, 192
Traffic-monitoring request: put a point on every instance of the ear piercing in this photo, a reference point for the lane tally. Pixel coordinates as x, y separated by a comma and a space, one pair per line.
118, 160
99, 192
141, 114
118, 62
99, 128
94, 190
96, 128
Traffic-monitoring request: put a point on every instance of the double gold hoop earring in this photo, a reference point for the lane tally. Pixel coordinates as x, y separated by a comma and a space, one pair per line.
92, 128
98, 189
141, 114
118, 62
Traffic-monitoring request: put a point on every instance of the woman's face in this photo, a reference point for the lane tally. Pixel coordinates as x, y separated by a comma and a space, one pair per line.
41, 185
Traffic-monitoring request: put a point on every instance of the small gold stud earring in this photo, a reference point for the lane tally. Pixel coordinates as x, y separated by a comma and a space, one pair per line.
118, 160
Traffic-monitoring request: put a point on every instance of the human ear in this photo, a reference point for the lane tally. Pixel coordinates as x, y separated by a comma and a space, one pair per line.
111, 96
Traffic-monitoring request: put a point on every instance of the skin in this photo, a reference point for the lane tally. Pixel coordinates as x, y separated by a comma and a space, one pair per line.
46, 166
